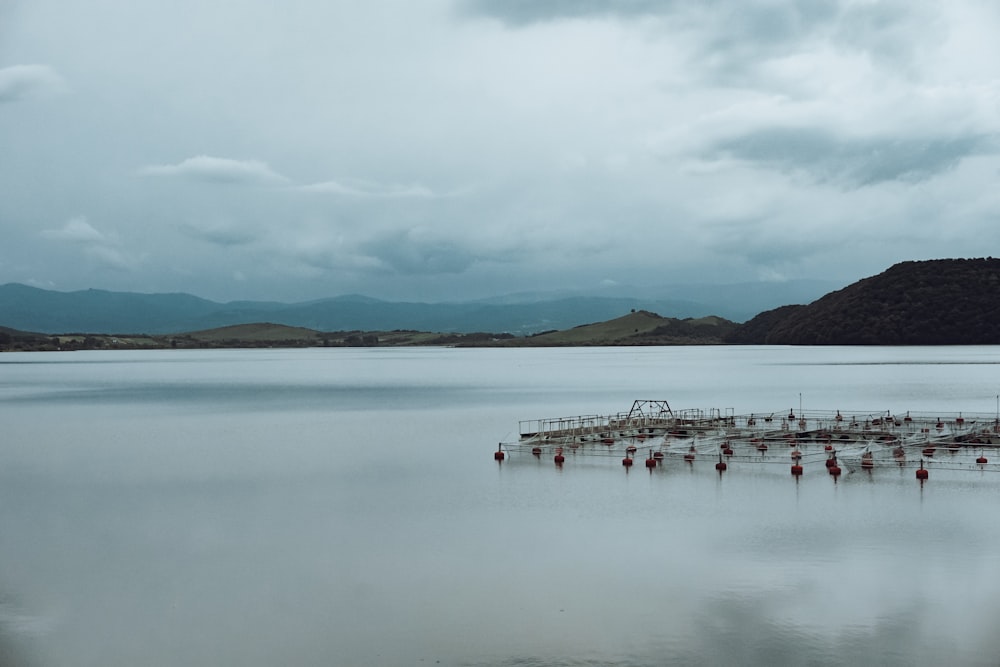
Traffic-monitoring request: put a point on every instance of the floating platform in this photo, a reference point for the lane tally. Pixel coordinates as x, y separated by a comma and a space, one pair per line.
855, 440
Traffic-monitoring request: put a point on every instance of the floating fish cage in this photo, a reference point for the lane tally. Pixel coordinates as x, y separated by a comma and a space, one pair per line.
830, 440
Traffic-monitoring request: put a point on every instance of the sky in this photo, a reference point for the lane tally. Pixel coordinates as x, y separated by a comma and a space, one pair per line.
441, 150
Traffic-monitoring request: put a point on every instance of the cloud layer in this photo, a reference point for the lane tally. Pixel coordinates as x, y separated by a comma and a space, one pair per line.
463, 148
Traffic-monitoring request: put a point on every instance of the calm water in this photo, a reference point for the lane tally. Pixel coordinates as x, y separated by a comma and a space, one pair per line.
342, 507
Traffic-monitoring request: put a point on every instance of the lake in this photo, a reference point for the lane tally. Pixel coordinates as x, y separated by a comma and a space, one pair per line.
342, 507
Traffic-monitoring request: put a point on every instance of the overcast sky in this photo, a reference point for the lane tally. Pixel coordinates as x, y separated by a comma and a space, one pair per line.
448, 149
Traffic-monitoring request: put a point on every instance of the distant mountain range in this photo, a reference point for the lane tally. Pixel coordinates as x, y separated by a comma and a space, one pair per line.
28, 308
934, 302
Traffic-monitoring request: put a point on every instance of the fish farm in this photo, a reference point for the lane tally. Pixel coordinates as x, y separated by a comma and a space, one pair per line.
816, 441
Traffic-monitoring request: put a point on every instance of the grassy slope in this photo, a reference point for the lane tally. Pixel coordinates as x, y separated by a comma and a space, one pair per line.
600, 332
257, 332
637, 328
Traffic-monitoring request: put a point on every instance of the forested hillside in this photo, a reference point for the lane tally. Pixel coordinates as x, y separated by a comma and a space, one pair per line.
934, 302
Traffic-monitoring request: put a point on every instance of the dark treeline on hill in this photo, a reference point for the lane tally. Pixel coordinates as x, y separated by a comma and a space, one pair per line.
934, 302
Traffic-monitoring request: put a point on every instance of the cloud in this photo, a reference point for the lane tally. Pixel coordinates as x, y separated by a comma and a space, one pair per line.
413, 252
23, 81
76, 230
525, 12
110, 257
851, 161
893, 32
500, 144
223, 234
365, 189
728, 40
100, 248
217, 170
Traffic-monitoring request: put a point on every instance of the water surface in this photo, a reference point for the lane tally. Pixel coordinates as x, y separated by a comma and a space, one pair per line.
318, 507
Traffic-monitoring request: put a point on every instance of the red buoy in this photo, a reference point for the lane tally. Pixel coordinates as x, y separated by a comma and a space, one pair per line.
728, 451
796, 470
835, 470
537, 451
922, 473
658, 456
796, 455
721, 465
498, 455
559, 459
650, 463
627, 461
981, 460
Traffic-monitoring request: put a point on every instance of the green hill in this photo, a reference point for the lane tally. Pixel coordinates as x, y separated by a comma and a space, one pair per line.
637, 328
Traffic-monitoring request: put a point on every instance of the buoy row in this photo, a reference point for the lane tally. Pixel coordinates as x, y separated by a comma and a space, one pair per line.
655, 458
721, 466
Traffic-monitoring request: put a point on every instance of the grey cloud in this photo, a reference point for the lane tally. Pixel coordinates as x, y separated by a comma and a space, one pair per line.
734, 36
525, 12
21, 81
217, 170
111, 257
364, 189
409, 253
730, 21
745, 32
827, 157
225, 235
893, 32
76, 230
502, 142
96, 246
